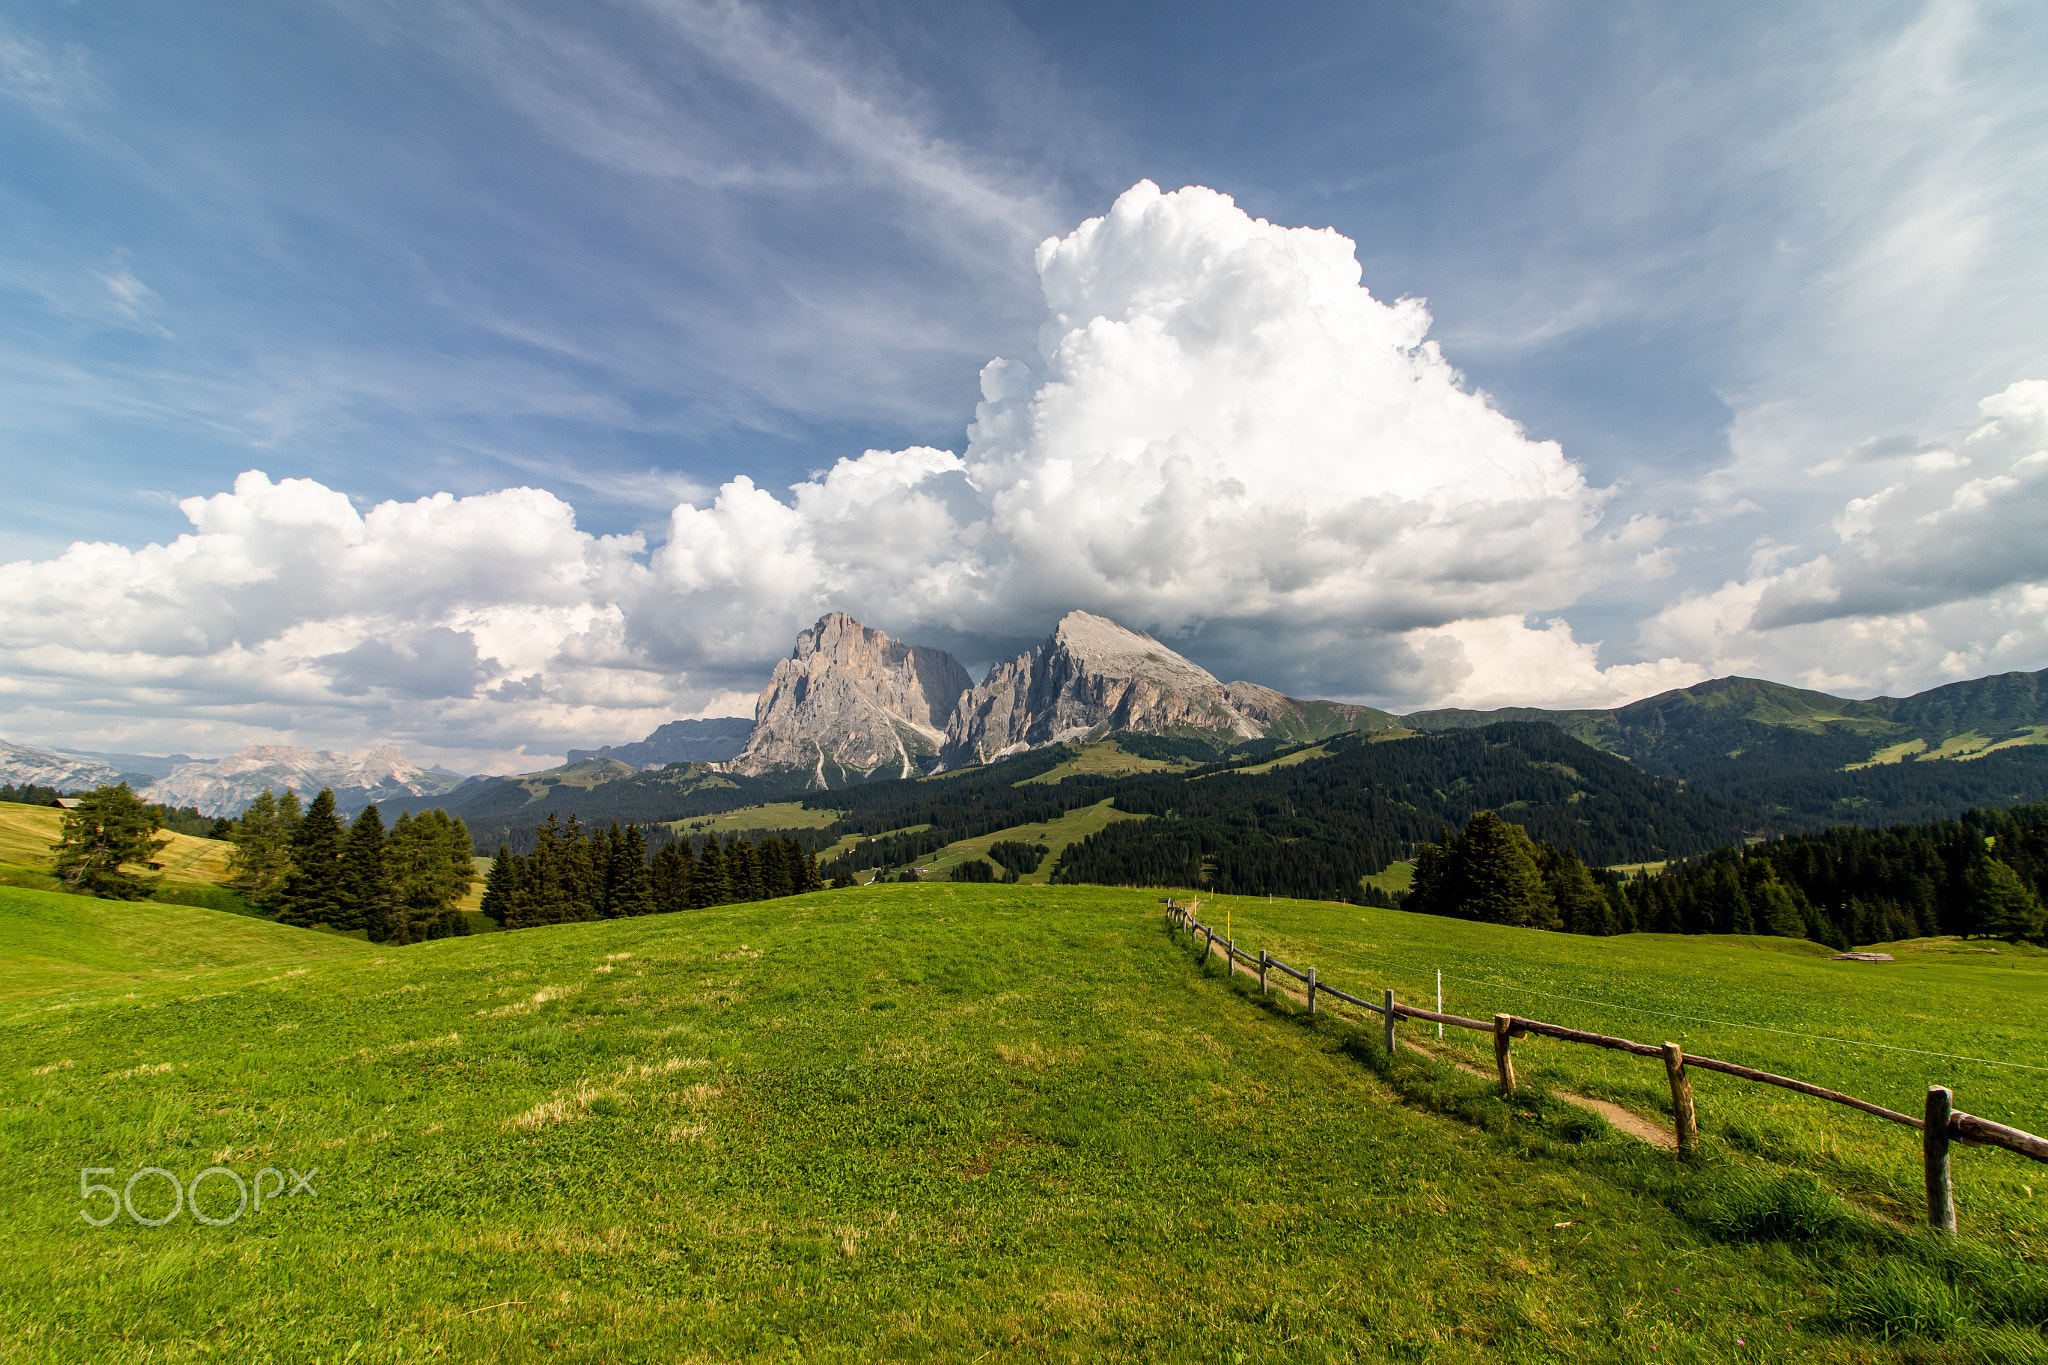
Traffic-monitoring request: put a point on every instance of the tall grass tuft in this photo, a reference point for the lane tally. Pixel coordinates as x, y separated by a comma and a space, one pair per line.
1895, 1299
1748, 1206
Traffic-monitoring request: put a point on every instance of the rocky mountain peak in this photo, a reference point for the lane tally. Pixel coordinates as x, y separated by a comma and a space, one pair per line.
1090, 677
849, 700
1099, 645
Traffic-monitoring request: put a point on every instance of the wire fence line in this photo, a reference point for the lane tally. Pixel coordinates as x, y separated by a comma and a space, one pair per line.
1940, 1124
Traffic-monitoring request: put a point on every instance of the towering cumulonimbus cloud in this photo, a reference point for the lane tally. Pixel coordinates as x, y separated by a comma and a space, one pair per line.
1223, 438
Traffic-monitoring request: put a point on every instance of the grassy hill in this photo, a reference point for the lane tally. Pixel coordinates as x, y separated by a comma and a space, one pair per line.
939, 1122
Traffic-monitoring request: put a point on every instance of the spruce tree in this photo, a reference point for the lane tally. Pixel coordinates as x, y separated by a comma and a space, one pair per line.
312, 893
542, 895
811, 880
263, 856
1775, 910
1497, 865
2002, 905
501, 887
1580, 905
461, 852
107, 829
632, 890
673, 864
365, 886
743, 869
1434, 889
708, 885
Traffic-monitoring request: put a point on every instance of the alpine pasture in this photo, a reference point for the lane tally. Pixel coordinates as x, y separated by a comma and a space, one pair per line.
969, 1122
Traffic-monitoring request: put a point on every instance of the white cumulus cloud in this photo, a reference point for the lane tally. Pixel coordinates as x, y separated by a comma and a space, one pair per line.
1223, 437
1939, 573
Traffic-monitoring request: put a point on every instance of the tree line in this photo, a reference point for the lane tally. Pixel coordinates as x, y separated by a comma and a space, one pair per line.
306, 867
1983, 874
573, 874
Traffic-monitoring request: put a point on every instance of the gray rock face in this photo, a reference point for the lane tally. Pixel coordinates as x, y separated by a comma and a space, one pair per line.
24, 763
1091, 676
850, 700
227, 787
680, 741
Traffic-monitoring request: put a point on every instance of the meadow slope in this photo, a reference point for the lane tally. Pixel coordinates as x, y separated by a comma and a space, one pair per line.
903, 1122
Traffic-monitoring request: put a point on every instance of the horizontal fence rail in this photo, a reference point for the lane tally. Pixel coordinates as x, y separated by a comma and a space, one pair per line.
1941, 1124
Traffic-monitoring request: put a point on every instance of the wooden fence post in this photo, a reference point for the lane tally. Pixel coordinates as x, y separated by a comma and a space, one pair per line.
1941, 1195
1311, 990
1681, 1099
1262, 971
1230, 958
1208, 945
1505, 1063
1387, 1019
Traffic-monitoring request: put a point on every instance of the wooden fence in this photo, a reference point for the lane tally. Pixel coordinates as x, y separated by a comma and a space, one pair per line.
1940, 1124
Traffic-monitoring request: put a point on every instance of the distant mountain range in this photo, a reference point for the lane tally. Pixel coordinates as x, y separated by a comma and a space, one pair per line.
852, 706
225, 786
1808, 753
679, 741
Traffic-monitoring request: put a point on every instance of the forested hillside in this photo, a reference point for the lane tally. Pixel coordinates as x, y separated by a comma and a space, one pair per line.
1316, 828
1985, 872
1817, 757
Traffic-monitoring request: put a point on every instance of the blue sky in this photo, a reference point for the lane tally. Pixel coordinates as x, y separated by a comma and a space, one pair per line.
627, 252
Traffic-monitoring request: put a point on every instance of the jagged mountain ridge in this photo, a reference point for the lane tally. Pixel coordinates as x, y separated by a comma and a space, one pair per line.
850, 699
22, 764
1092, 677
228, 785
852, 703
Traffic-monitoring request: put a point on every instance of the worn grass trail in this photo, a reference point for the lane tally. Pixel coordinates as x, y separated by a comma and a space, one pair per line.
904, 1122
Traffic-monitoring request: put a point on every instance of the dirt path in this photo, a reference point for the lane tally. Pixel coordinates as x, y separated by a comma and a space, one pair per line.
1624, 1120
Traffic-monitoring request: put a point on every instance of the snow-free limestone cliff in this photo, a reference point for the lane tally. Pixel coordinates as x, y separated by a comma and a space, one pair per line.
849, 701
1093, 677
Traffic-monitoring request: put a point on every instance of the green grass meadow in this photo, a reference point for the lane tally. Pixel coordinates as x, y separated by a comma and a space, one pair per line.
940, 1122
1773, 1003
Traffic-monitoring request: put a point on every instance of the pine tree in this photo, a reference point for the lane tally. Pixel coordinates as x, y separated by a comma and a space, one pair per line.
708, 884
107, 829
2002, 905
673, 865
365, 886
1580, 904
1498, 867
461, 852
263, 856
501, 887
1776, 912
632, 890
811, 880
311, 894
